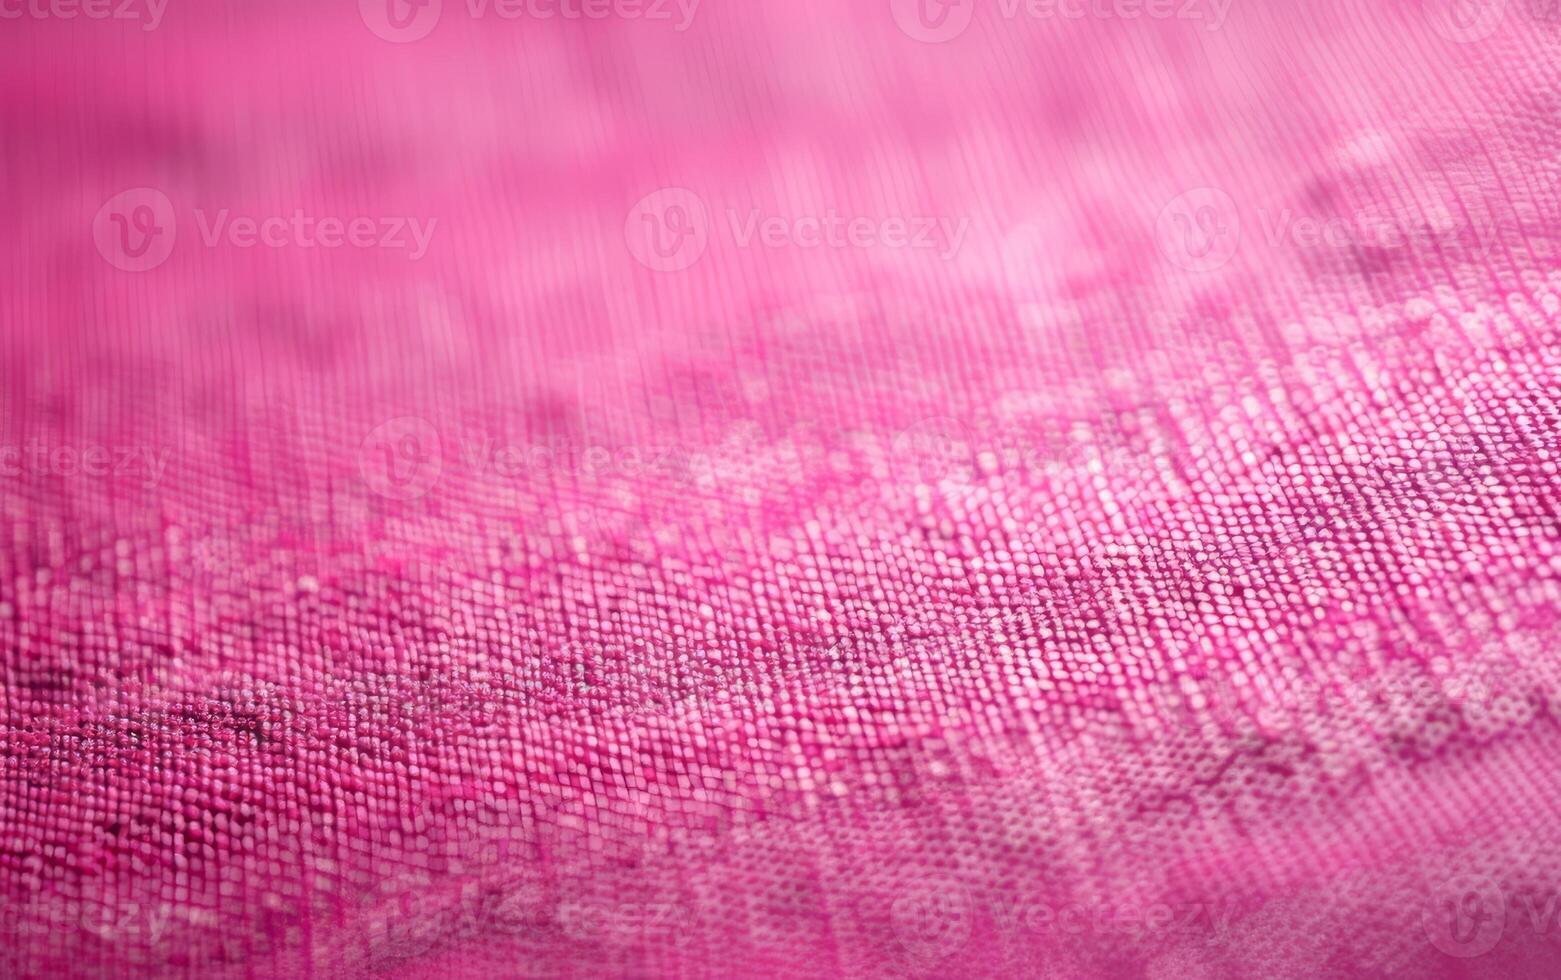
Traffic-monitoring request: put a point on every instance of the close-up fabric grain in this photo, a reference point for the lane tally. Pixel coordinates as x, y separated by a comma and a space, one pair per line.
780, 488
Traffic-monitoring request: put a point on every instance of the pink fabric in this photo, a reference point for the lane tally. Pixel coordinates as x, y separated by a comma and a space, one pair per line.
842, 489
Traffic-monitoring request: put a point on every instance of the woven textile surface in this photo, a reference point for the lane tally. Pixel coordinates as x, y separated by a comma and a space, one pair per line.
795, 489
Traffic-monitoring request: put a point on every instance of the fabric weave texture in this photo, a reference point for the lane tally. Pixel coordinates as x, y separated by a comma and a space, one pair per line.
789, 489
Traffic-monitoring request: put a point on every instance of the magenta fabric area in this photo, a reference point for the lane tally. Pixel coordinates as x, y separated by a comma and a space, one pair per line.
658, 488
